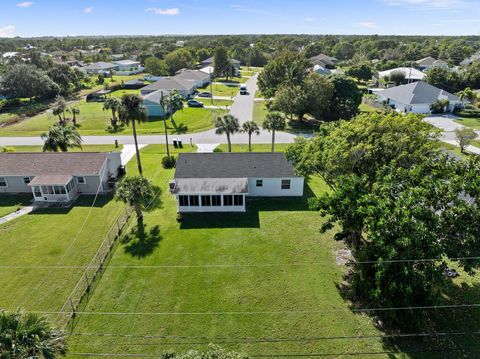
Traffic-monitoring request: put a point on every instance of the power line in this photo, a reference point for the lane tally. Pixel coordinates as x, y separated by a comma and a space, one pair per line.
333, 310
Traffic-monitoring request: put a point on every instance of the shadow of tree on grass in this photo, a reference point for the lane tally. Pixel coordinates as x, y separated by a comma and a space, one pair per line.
141, 241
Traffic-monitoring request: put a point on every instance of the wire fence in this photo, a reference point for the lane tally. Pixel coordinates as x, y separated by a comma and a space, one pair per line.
92, 272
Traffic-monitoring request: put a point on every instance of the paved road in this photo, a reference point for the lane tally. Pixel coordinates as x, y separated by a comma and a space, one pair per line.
242, 108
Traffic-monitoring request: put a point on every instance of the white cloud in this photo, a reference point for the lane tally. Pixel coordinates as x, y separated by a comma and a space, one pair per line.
25, 4
242, 8
430, 4
7, 31
310, 19
367, 25
158, 11
88, 10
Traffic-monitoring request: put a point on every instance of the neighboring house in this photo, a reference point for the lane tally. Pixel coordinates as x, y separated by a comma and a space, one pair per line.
7, 56
210, 62
134, 84
221, 182
100, 68
117, 57
199, 78
411, 74
470, 60
167, 84
151, 103
321, 70
324, 60
180, 43
416, 97
429, 62
128, 67
57, 176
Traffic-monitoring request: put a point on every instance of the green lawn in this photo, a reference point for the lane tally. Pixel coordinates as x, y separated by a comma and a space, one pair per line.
259, 147
45, 238
85, 148
208, 102
469, 122
269, 262
260, 112
92, 120
10, 203
368, 108
238, 80
221, 90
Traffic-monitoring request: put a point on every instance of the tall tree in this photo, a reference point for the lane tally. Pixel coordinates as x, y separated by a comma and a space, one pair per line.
60, 109
465, 136
250, 128
274, 122
136, 192
27, 81
228, 124
133, 112
156, 67
222, 66
346, 98
75, 112
179, 59
26, 335
113, 104
468, 94
61, 138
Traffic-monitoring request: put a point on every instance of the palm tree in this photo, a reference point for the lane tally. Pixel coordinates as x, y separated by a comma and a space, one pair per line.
26, 335
59, 109
132, 111
136, 192
60, 137
74, 111
468, 94
250, 128
113, 104
274, 122
176, 102
227, 124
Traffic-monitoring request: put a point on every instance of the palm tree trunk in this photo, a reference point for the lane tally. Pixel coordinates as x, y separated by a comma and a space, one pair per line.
249, 142
137, 152
229, 142
114, 117
139, 213
273, 140
166, 133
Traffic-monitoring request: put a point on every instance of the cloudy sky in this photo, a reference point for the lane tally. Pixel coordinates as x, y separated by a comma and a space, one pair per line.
154, 17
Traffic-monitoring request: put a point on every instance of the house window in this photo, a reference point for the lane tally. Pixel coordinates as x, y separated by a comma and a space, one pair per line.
59, 189
216, 201
81, 180
70, 186
206, 201
194, 202
183, 201
26, 180
285, 184
259, 183
37, 192
228, 200
238, 200
3, 182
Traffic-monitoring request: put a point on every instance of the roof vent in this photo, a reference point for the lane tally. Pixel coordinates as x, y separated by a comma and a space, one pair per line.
171, 186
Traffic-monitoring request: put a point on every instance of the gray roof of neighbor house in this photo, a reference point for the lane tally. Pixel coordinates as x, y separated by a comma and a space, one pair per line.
233, 165
322, 58
127, 62
155, 96
426, 61
169, 83
46, 180
210, 60
192, 75
470, 59
210, 185
417, 93
51, 163
100, 66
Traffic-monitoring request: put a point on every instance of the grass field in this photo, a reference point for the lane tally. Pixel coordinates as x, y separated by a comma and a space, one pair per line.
92, 120
267, 273
50, 237
10, 203
239, 80
469, 122
260, 112
261, 147
208, 102
368, 108
221, 90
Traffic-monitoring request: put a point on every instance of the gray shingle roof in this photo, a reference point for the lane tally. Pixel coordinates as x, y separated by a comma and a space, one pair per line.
322, 58
48, 180
233, 165
170, 83
51, 163
100, 66
211, 60
211, 185
417, 93
192, 75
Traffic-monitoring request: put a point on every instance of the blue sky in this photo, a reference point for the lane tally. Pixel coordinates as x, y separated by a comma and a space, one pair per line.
156, 17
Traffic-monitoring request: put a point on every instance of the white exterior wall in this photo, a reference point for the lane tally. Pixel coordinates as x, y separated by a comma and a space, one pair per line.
15, 184
272, 187
211, 209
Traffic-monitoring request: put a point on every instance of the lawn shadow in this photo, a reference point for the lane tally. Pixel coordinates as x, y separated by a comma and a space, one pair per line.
458, 326
141, 241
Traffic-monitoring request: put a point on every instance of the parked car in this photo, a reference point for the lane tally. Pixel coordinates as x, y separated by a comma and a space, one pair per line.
243, 90
194, 103
204, 94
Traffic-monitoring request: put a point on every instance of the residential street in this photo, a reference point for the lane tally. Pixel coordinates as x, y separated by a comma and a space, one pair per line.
242, 107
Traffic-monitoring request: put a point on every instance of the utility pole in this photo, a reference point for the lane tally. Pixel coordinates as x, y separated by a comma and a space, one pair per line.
211, 80
164, 121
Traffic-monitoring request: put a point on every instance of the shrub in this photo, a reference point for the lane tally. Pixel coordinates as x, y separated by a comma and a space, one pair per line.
217, 149
179, 217
169, 162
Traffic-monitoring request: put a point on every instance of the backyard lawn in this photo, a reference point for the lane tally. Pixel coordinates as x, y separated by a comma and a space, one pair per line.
232, 279
92, 120
10, 203
221, 90
469, 122
239, 80
33, 243
260, 112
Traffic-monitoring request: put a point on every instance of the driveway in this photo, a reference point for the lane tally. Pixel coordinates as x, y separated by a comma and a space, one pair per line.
242, 107
447, 125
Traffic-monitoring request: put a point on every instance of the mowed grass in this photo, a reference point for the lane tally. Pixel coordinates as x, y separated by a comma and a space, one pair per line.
10, 203
33, 243
238, 80
231, 279
208, 102
469, 122
260, 147
260, 113
221, 90
92, 120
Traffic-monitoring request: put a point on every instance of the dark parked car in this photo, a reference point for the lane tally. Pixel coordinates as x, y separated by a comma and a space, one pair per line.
194, 103
204, 94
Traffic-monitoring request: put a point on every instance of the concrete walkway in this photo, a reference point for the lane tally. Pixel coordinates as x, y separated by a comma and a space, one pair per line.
21, 212
128, 151
447, 124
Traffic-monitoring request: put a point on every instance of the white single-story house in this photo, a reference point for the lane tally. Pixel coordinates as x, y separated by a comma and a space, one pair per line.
221, 182
470, 60
416, 97
99, 68
57, 176
321, 70
151, 103
430, 62
167, 84
411, 74
128, 67
210, 62
199, 78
